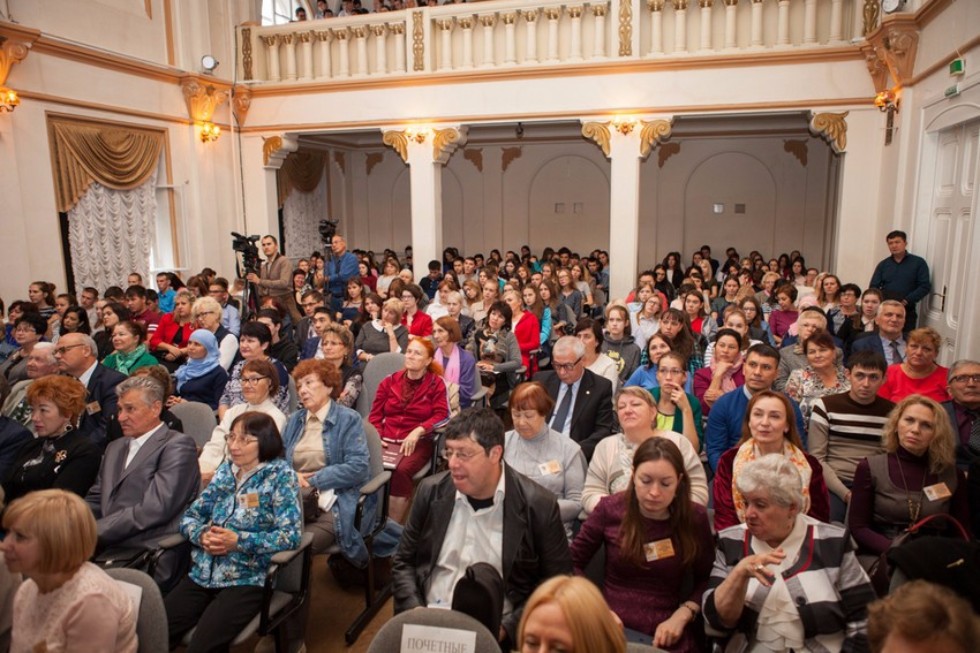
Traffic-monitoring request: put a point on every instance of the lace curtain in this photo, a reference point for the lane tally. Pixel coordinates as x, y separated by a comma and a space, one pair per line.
109, 233
302, 212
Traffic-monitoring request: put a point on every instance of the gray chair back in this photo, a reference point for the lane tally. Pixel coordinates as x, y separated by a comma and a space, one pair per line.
151, 622
198, 419
633, 647
375, 371
389, 637
293, 396
374, 448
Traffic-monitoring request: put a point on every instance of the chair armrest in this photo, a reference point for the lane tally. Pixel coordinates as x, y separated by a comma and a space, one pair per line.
170, 542
284, 557
375, 483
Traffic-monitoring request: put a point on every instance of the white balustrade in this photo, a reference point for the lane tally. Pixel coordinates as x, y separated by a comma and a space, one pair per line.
466, 24
531, 34
489, 58
782, 29
380, 49
680, 25
705, 24
599, 30
656, 26
510, 37
323, 38
552, 14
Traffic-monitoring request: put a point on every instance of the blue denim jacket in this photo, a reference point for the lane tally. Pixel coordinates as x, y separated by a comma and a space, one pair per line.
264, 511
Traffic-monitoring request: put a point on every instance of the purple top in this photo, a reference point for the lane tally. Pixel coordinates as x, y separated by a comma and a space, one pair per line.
780, 321
645, 596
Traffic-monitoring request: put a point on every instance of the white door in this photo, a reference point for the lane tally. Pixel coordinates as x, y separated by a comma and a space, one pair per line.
951, 262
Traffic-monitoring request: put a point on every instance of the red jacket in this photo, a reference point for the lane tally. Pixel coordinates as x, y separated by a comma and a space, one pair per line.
428, 408
528, 334
167, 332
421, 324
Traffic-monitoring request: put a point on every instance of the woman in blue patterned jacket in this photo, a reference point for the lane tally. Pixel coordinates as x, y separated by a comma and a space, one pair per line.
248, 512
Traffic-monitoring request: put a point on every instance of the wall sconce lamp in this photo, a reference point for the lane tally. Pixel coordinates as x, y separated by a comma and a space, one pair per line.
887, 102
209, 132
8, 99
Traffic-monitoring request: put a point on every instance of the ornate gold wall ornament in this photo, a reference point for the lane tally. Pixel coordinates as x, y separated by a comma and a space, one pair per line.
241, 101
247, 52
877, 68
372, 159
398, 141
11, 51
271, 144
871, 12
340, 159
474, 156
202, 99
598, 132
832, 127
418, 44
665, 151
509, 18
445, 141
508, 155
900, 44
656, 5
626, 28
652, 132
797, 148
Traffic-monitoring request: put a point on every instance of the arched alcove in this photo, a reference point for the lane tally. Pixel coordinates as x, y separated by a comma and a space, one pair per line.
568, 204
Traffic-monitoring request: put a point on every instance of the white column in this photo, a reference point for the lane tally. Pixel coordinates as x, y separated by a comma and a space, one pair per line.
810, 21
344, 52
271, 44
326, 65
599, 27
360, 34
755, 39
466, 24
656, 26
380, 48
782, 29
426, 150
510, 37
680, 25
705, 24
262, 156
836, 21
306, 48
731, 14
445, 26
489, 58
575, 45
530, 35
552, 14
398, 29
857, 21
290, 41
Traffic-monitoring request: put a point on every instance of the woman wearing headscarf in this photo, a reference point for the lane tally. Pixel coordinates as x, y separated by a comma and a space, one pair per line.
201, 378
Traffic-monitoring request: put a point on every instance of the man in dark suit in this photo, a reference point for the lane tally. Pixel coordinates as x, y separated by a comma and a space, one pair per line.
147, 478
312, 299
506, 520
963, 409
583, 400
77, 356
887, 339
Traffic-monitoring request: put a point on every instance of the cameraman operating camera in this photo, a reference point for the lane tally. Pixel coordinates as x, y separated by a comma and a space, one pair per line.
275, 277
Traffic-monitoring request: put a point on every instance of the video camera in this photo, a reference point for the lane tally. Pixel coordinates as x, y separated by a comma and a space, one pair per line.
249, 251
328, 230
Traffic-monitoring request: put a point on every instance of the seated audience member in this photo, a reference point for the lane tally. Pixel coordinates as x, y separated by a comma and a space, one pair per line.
676, 326
645, 375
618, 343
137, 303
846, 428
919, 373
646, 321
320, 429
337, 347
260, 382
129, 351
59, 457
384, 334
17, 309
458, 365
231, 318
112, 313
542, 454
525, 327
76, 354
915, 478
168, 291
677, 409
844, 320
589, 331
208, 315
28, 331
354, 294
919, 617
887, 339
497, 353
254, 345
65, 602
283, 349
75, 320
963, 409
724, 372
454, 306
322, 316
568, 613
413, 318
408, 406
562, 318
768, 429
147, 478
822, 375
792, 355
785, 315
311, 300
523, 538
169, 342
611, 463
583, 399
233, 543
160, 374
754, 317
201, 378
757, 596
40, 363
657, 540
13, 435
734, 318
728, 413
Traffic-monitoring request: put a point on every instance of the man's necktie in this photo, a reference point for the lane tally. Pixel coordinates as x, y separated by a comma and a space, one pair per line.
896, 353
561, 415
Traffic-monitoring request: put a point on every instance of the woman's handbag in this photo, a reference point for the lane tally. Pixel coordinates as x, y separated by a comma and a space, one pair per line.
311, 504
880, 571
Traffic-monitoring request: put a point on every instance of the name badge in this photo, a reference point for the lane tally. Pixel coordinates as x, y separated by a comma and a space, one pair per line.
248, 500
937, 492
549, 468
658, 550
93, 408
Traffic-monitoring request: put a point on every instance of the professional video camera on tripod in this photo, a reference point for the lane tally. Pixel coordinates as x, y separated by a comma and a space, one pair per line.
246, 263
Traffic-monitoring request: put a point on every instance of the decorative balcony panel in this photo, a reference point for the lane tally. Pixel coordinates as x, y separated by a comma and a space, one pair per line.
501, 35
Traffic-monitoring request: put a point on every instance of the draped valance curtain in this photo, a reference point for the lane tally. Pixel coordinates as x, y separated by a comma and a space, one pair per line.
303, 198
300, 171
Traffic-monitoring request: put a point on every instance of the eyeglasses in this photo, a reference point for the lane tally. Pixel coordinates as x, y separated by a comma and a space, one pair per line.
310, 304
566, 367
965, 378
252, 380
232, 438
60, 351
462, 456
671, 371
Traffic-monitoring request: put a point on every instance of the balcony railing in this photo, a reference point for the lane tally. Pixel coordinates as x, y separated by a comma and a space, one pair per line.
515, 34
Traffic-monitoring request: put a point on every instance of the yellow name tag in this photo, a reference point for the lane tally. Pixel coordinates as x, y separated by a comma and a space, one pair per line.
93, 408
248, 500
937, 492
658, 550
550, 467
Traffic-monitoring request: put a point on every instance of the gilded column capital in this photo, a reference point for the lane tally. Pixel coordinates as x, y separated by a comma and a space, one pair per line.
530, 15
241, 101
202, 98
397, 28
269, 40
287, 38
304, 37
598, 132
832, 127
466, 22
397, 140
599, 10
679, 5
653, 132
445, 141
359, 32
488, 20
379, 30
552, 13
705, 4
656, 5
341, 33
575, 12
509, 18
324, 35
275, 149
445, 24
731, 3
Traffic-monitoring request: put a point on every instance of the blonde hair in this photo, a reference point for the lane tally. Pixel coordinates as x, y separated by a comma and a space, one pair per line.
919, 611
587, 615
925, 335
63, 525
942, 449
396, 305
206, 304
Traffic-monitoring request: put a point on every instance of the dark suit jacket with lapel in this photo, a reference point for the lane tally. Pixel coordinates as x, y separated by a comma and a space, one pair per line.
100, 404
303, 332
868, 342
137, 505
592, 416
535, 546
